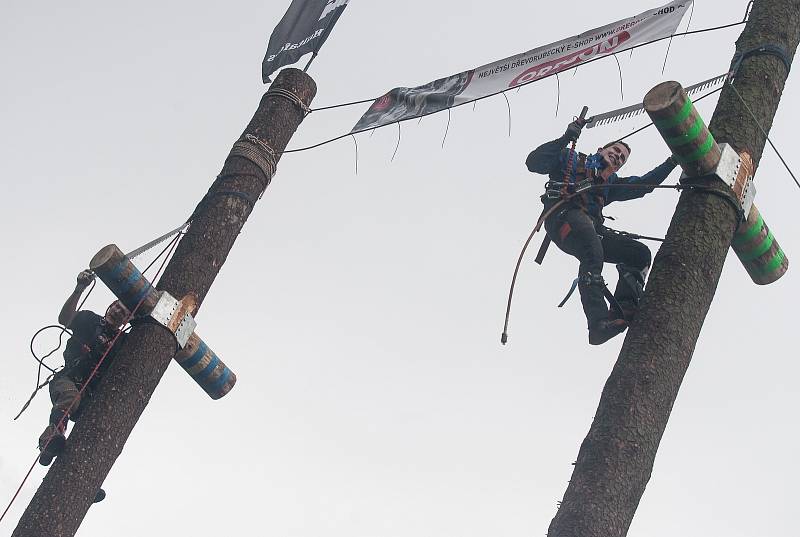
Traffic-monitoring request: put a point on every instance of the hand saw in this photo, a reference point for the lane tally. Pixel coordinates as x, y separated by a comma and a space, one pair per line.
635, 110
155, 242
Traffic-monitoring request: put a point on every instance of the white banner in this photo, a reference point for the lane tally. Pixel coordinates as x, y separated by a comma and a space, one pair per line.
406, 103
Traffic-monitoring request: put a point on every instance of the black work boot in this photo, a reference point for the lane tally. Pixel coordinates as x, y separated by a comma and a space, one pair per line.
629, 291
629, 309
591, 288
605, 329
51, 443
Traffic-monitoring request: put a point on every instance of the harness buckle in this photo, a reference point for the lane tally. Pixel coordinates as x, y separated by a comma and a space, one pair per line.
552, 194
584, 185
555, 189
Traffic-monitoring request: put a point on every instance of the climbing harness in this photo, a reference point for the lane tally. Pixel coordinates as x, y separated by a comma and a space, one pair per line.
62, 422
63, 330
562, 190
134, 253
249, 147
564, 195
684, 185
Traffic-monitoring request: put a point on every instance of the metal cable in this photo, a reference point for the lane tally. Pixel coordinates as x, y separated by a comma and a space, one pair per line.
687, 32
764, 132
619, 68
336, 138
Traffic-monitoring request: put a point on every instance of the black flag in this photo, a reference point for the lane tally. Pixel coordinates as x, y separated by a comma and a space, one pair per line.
303, 29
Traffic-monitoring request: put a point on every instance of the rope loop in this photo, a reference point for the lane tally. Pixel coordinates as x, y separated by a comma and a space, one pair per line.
256, 150
768, 49
291, 97
693, 185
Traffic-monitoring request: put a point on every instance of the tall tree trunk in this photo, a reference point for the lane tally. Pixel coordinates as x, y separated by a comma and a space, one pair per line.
61, 502
616, 458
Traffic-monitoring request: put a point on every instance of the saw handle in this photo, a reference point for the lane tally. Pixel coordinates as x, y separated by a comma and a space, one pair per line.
582, 118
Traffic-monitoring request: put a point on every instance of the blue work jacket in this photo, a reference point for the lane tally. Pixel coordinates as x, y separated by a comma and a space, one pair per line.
551, 159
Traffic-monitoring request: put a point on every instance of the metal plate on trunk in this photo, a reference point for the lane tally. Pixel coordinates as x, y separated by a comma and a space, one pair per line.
749, 197
175, 316
728, 167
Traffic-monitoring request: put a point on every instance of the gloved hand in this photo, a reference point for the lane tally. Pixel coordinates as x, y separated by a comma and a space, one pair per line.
85, 279
574, 130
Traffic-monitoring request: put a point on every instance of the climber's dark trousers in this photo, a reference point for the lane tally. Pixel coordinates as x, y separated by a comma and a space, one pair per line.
574, 232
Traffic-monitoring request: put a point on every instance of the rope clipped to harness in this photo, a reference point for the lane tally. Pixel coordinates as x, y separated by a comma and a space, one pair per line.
565, 195
566, 191
686, 185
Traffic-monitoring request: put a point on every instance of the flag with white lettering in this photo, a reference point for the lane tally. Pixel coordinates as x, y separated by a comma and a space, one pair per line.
303, 29
405, 103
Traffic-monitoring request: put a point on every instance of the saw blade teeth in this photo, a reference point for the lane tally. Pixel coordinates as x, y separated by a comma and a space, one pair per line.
636, 110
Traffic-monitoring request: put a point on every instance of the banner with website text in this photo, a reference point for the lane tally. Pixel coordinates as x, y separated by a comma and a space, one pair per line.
405, 103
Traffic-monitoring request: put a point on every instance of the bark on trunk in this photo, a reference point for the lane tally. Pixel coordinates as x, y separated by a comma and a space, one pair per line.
61, 502
616, 458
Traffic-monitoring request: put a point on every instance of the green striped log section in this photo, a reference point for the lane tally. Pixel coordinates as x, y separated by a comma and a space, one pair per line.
681, 126
758, 250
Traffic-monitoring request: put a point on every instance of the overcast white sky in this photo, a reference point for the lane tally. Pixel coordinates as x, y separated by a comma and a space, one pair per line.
362, 313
